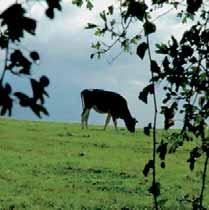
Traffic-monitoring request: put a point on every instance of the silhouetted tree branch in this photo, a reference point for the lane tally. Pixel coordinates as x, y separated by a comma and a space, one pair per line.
154, 183
183, 70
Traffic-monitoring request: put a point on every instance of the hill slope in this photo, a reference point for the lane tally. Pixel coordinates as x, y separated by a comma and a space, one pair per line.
59, 166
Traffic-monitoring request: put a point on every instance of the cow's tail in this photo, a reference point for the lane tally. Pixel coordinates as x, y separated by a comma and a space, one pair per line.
82, 100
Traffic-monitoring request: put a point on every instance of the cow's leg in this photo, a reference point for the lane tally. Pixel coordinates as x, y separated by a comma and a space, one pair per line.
84, 117
115, 123
107, 120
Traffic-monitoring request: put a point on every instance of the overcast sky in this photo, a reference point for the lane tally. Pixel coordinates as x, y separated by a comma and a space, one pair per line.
64, 48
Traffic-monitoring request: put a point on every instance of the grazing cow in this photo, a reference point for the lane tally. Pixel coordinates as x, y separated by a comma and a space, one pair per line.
106, 102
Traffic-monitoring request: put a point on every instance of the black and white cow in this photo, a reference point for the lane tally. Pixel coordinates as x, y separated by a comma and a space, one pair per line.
106, 102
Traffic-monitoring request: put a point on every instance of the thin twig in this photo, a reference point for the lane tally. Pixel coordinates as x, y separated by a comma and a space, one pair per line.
121, 16
155, 121
140, 33
113, 58
109, 47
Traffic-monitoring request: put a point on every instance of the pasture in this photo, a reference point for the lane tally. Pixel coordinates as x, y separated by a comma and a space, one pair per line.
46, 165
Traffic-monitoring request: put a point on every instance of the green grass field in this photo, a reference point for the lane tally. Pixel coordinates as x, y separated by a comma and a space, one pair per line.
58, 166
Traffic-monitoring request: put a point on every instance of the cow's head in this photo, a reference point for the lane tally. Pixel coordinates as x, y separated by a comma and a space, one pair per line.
130, 124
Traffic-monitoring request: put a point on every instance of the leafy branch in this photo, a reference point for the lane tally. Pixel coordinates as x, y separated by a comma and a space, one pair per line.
15, 24
184, 69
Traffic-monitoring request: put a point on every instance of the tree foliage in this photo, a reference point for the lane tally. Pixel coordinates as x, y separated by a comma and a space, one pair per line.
15, 25
182, 70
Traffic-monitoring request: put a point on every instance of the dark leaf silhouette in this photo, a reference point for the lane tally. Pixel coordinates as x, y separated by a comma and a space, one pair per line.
166, 63
205, 148
173, 51
110, 9
89, 5
3, 41
103, 16
193, 5
92, 56
145, 92
141, 49
16, 28
143, 96
162, 164
155, 189
19, 60
35, 56
194, 154
29, 25
38, 88
169, 113
149, 165
90, 26
154, 67
136, 9
77, 2
6, 102
52, 5
38, 109
49, 13
149, 27
186, 51
27, 101
162, 150
24, 100
44, 81
147, 129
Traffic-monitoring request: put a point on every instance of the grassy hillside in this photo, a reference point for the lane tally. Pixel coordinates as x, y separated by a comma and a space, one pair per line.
59, 166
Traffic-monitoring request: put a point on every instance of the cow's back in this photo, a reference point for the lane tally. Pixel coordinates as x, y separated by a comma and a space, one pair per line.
108, 101
104, 101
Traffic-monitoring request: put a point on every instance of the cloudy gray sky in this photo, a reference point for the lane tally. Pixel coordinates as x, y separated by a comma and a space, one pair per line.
64, 48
